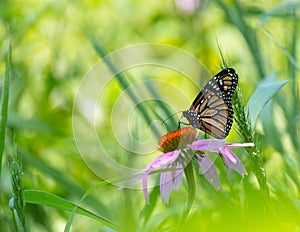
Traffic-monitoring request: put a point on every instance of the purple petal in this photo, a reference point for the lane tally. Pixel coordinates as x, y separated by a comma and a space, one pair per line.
164, 159
160, 162
212, 145
237, 145
209, 171
178, 176
170, 180
200, 145
166, 185
144, 185
232, 161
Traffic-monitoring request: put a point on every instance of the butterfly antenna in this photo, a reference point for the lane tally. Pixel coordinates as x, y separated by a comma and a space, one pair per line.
224, 63
163, 122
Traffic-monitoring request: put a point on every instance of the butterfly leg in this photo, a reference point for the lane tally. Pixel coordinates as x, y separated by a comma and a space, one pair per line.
183, 123
179, 124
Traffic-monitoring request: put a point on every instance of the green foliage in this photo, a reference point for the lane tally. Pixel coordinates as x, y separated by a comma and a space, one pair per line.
4, 105
263, 94
17, 203
49, 199
47, 49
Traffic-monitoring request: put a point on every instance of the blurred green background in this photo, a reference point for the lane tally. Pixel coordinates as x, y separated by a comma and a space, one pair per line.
52, 51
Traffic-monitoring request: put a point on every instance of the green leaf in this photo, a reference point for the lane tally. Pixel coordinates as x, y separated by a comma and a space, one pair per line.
263, 94
284, 10
52, 200
4, 105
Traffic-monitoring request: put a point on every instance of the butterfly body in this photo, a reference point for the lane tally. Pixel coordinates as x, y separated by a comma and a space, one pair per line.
211, 111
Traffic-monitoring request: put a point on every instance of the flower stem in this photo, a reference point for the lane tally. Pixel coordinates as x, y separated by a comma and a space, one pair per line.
189, 174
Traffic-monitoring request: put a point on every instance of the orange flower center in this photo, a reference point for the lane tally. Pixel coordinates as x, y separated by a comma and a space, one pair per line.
178, 139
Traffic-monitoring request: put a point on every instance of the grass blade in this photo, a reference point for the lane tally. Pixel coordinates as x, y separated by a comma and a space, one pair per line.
124, 83
16, 203
4, 106
52, 200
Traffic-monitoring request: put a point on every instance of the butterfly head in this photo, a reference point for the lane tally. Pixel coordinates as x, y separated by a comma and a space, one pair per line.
192, 117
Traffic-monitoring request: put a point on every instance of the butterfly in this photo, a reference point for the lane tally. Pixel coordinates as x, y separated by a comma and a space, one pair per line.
212, 110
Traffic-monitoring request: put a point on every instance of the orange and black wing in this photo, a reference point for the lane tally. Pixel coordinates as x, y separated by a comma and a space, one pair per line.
211, 110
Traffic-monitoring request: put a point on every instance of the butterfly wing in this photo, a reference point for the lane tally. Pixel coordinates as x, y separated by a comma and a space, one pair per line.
211, 110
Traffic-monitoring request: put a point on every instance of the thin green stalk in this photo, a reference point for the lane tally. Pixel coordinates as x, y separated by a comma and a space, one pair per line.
294, 88
189, 174
124, 83
287, 54
16, 203
4, 106
173, 123
149, 208
236, 14
246, 134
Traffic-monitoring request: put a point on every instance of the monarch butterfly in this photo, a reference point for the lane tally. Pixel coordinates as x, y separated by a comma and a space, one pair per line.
211, 110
